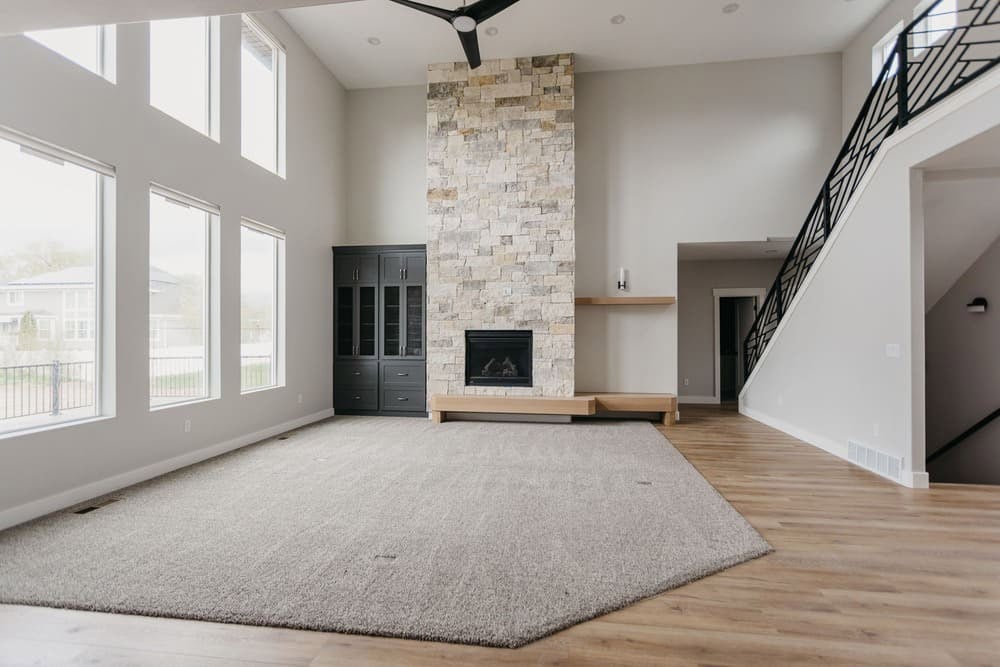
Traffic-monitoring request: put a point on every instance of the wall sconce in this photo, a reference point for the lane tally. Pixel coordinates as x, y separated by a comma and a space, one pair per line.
622, 281
978, 305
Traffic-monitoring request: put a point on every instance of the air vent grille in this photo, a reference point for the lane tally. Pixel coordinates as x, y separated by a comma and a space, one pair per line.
877, 461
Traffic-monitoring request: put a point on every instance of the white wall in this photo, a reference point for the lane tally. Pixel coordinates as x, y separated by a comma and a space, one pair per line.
857, 57
827, 375
53, 99
696, 315
719, 152
387, 177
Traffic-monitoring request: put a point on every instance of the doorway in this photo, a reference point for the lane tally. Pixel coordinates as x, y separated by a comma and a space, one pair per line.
735, 311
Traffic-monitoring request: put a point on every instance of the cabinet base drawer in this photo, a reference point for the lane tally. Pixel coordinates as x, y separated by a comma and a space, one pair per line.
404, 400
355, 399
355, 374
404, 375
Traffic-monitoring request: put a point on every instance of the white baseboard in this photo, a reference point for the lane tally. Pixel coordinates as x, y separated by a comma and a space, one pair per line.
908, 478
41, 507
698, 400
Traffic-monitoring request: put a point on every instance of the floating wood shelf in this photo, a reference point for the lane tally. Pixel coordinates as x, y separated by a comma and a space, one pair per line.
626, 300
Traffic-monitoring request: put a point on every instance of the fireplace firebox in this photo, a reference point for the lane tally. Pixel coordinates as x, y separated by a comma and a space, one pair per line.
498, 358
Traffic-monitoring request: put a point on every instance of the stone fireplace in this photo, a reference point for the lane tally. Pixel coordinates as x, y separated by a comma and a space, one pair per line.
501, 253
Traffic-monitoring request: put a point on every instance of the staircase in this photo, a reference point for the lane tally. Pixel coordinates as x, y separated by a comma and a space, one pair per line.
936, 55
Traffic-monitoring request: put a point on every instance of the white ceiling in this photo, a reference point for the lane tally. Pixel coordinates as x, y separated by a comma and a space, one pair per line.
655, 33
773, 248
17, 16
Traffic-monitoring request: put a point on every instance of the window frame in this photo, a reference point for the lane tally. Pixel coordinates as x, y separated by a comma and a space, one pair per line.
213, 39
878, 52
106, 45
278, 315
15, 297
211, 309
921, 38
105, 177
279, 95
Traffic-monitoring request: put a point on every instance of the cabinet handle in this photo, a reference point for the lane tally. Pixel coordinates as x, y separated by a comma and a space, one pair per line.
403, 375
356, 373
357, 398
401, 399
401, 274
405, 271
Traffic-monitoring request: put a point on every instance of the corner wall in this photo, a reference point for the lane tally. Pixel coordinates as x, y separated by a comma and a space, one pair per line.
53, 99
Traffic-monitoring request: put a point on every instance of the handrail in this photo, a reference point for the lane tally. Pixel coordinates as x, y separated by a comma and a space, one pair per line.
929, 65
968, 433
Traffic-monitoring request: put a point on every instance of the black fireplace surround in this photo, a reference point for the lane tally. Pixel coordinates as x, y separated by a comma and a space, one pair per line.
498, 358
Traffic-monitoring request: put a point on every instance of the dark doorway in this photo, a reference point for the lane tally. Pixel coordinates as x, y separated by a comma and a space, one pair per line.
736, 315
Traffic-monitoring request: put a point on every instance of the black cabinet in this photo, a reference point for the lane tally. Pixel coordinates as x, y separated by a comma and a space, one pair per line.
380, 329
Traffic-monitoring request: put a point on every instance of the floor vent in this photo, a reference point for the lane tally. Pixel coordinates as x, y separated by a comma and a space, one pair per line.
87, 509
875, 460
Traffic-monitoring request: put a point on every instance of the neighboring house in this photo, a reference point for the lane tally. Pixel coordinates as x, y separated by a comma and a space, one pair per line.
62, 304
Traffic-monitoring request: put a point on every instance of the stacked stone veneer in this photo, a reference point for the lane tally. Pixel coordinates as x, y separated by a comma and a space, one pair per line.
501, 250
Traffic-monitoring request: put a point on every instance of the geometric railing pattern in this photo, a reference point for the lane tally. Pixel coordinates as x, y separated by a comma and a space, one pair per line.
947, 46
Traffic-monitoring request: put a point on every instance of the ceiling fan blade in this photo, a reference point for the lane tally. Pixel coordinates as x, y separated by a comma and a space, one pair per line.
470, 42
487, 9
445, 14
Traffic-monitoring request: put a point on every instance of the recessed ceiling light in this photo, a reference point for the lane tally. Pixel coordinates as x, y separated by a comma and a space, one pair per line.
731, 8
374, 41
618, 19
492, 31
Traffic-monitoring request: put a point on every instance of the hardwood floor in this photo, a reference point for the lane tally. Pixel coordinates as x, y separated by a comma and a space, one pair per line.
864, 573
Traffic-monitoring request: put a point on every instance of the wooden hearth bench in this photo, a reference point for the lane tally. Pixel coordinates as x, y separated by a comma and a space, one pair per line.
584, 404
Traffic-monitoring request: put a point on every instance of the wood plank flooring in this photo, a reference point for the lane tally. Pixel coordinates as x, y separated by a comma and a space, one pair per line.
864, 573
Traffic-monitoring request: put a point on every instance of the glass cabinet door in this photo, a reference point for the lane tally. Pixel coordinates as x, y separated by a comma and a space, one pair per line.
392, 321
367, 318
345, 322
414, 341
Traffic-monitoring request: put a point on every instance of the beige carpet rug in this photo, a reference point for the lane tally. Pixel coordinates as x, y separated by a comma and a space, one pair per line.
491, 534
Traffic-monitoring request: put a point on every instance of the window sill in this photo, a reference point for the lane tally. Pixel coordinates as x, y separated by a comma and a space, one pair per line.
261, 390
32, 430
181, 404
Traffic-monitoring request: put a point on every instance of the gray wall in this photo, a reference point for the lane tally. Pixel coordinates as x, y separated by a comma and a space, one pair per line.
696, 315
53, 99
719, 152
387, 166
963, 374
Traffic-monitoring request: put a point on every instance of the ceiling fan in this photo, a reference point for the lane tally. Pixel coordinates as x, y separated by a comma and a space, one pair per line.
464, 20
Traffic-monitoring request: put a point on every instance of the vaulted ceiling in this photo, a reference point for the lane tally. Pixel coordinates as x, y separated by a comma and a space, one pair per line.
653, 33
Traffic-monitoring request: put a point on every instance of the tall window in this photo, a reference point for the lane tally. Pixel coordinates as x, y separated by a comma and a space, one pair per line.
92, 47
263, 103
942, 19
52, 215
181, 230
262, 251
885, 51
183, 71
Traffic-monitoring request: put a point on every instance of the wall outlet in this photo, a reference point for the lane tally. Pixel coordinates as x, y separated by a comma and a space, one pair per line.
300, 399
187, 425
893, 350
875, 429
687, 382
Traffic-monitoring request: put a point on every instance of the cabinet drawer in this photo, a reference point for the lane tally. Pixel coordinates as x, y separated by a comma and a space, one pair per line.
355, 374
406, 400
403, 374
355, 399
